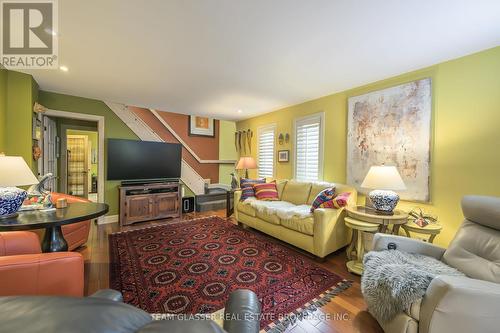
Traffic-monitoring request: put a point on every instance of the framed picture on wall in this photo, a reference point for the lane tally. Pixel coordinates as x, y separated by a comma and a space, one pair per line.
36, 128
283, 155
201, 126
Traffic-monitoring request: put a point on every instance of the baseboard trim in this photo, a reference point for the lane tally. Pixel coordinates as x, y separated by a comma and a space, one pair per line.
108, 219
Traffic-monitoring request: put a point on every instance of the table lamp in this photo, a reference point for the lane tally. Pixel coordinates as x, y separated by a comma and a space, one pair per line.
246, 162
13, 172
383, 180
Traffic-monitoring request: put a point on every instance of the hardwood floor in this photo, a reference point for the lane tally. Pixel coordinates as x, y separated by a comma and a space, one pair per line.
345, 313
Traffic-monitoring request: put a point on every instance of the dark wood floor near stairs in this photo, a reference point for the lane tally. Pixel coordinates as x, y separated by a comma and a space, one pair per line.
345, 313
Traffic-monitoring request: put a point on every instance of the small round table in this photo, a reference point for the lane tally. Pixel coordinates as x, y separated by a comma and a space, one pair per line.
363, 219
369, 214
357, 243
432, 229
52, 220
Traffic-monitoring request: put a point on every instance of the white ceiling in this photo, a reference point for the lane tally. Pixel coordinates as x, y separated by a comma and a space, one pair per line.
213, 57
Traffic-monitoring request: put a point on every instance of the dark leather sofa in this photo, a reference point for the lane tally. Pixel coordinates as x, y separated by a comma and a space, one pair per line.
104, 312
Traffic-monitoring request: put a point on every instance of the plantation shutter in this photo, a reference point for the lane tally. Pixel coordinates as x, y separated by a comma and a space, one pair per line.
308, 148
266, 151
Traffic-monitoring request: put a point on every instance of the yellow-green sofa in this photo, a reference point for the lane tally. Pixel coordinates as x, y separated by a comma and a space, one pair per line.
321, 233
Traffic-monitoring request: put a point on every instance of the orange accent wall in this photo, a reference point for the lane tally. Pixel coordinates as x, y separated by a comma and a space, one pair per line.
207, 148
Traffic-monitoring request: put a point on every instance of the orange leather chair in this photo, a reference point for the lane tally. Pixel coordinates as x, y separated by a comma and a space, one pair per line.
75, 234
24, 270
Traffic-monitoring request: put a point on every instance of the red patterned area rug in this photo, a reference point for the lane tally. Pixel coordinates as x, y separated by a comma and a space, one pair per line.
192, 266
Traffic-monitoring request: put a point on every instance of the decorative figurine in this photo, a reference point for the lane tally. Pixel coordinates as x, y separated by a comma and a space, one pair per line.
234, 181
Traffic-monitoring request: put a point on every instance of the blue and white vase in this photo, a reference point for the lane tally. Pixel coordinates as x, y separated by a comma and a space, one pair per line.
384, 201
11, 199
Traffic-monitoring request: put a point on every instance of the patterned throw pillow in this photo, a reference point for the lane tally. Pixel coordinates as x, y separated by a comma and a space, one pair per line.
246, 186
324, 199
266, 192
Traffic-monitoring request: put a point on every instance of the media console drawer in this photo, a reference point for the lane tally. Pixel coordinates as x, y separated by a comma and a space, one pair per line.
139, 203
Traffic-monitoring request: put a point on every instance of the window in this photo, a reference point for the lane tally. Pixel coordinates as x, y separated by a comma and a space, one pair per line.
309, 147
266, 151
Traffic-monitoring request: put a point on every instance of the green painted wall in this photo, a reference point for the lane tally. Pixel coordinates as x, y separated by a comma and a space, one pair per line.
227, 150
113, 128
464, 153
20, 97
3, 109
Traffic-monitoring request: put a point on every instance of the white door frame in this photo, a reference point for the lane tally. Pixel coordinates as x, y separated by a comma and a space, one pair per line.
100, 131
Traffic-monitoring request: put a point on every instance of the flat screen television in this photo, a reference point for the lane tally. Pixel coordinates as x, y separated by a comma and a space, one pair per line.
143, 160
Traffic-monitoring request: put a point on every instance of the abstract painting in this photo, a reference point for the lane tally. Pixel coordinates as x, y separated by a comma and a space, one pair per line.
392, 126
201, 126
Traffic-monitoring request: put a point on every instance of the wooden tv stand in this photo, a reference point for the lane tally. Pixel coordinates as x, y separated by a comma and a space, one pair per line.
139, 203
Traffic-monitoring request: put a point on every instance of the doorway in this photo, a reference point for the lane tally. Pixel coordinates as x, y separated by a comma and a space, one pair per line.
73, 150
81, 163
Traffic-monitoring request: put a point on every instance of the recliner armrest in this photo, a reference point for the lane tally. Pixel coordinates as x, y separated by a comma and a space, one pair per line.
381, 242
109, 294
242, 312
460, 304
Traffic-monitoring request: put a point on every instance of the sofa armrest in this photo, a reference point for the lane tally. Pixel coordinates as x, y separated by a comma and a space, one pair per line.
236, 200
109, 294
242, 312
58, 273
19, 242
460, 304
329, 230
381, 242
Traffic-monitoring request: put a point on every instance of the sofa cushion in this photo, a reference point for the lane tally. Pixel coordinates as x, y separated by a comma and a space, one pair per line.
414, 310
270, 218
245, 208
296, 192
316, 189
280, 185
266, 192
302, 225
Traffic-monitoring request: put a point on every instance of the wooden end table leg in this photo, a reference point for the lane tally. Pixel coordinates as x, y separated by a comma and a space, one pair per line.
395, 229
54, 241
350, 248
431, 238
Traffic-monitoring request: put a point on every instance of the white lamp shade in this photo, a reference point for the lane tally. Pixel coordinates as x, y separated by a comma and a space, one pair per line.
383, 178
15, 172
246, 162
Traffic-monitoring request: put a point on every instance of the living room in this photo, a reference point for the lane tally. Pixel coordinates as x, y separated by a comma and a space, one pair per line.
235, 166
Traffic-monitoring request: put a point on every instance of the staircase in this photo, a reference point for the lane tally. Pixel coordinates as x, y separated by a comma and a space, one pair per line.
189, 176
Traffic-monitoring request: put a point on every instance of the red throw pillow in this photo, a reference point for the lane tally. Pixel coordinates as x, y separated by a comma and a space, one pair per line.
341, 200
266, 192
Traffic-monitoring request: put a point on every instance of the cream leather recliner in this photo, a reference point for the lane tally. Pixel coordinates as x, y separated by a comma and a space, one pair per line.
457, 304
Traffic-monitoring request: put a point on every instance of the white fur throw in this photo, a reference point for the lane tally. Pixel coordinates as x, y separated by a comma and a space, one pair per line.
283, 209
392, 280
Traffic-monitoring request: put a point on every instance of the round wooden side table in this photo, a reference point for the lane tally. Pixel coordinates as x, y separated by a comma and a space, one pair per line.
363, 219
432, 229
369, 214
357, 243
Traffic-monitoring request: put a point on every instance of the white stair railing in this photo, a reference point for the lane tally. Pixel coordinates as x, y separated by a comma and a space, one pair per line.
189, 176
